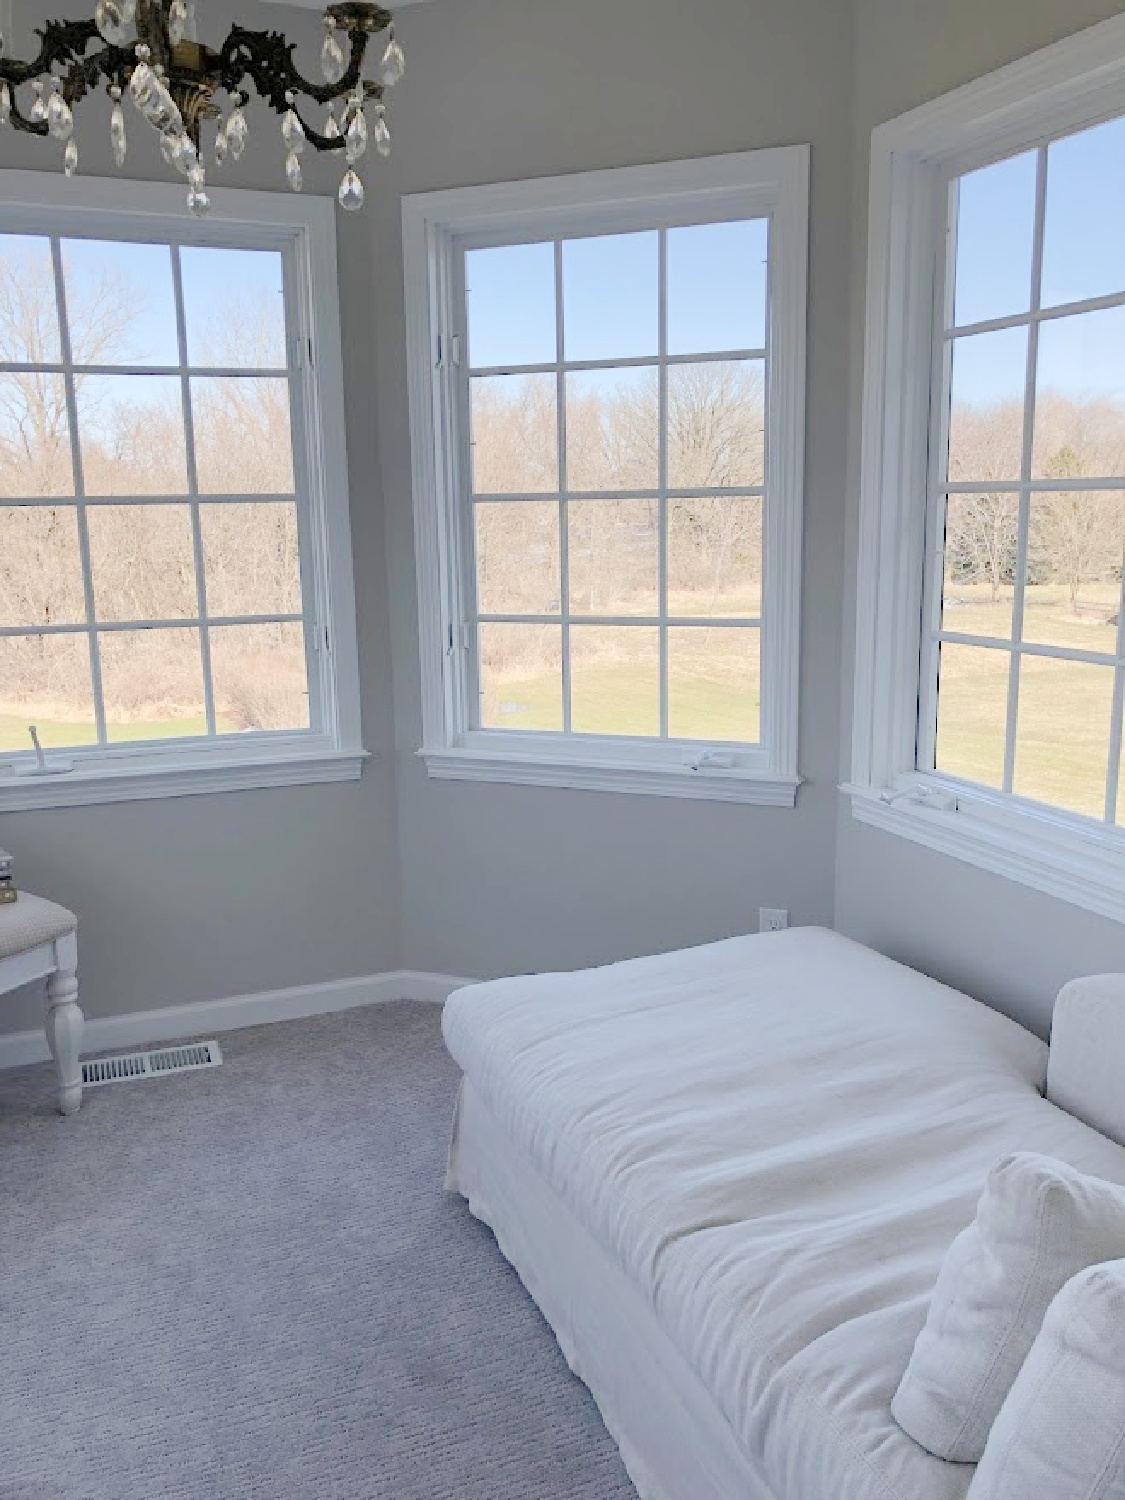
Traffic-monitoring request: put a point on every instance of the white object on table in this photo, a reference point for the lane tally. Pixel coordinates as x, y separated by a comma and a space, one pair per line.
39, 940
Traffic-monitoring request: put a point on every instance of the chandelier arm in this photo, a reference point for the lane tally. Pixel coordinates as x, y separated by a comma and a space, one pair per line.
266, 58
63, 42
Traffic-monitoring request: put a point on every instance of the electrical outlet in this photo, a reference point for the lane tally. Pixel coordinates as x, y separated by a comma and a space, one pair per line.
772, 919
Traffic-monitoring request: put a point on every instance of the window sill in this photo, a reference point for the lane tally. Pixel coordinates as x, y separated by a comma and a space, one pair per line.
131, 777
1071, 858
643, 778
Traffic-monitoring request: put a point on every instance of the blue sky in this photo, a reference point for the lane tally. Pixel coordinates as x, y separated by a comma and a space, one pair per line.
1083, 257
716, 295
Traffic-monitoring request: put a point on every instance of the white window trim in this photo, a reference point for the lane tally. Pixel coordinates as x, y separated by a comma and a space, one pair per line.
773, 182
1075, 83
305, 228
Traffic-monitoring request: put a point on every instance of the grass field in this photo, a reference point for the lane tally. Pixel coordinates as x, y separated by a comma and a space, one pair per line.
61, 734
1062, 743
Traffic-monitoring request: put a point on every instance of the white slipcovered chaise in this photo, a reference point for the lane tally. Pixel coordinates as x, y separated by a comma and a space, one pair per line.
729, 1177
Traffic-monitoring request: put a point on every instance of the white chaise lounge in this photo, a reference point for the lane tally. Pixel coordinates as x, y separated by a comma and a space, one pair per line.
729, 1177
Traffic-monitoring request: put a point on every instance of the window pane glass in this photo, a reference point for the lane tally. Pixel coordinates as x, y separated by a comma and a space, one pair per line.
1080, 397
45, 681
986, 405
972, 713
615, 679
716, 424
1074, 554
1084, 234
717, 277
515, 434
234, 307
614, 550
510, 292
40, 566
29, 314
35, 454
613, 430
152, 684
251, 558
143, 561
259, 677
518, 558
714, 684
1062, 742
981, 554
132, 433
520, 677
715, 556
243, 443
995, 233
120, 303
611, 296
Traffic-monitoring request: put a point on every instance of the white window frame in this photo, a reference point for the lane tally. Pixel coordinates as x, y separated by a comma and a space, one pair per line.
304, 231
1076, 83
771, 183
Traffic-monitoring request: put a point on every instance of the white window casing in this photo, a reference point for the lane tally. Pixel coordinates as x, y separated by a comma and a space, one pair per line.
1077, 83
303, 231
773, 184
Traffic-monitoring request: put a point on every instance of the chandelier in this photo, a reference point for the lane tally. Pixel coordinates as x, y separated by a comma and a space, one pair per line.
146, 49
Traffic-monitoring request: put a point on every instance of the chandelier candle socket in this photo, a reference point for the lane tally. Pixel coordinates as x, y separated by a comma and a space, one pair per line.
147, 49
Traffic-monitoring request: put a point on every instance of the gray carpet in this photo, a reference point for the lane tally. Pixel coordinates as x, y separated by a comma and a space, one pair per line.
248, 1282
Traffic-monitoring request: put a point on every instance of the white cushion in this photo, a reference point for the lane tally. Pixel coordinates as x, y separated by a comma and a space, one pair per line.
1086, 1071
29, 921
1038, 1224
1061, 1432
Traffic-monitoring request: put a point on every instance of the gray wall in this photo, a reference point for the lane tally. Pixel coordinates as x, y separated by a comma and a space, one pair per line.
204, 897
498, 879
999, 940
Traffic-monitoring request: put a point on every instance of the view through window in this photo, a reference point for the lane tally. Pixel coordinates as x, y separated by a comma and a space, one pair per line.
617, 390
1026, 644
150, 580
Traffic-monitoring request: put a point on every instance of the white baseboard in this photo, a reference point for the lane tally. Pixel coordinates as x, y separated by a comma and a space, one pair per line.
108, 1033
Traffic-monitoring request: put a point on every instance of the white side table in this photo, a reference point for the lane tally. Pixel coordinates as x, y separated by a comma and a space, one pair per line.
39, 940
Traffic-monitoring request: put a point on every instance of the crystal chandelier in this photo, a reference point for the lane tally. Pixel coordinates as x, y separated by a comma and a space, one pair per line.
146, 49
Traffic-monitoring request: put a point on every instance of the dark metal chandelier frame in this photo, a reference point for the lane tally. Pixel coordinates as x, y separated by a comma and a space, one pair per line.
182, 79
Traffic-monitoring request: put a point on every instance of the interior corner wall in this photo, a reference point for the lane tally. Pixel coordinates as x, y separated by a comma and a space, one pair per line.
1001, 941
500, 879
199, 898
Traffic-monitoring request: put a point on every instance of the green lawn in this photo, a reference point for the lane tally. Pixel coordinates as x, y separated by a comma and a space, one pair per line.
59, 734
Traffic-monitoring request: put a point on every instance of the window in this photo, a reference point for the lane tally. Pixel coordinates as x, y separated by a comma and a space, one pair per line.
994, 477
164, 521
615, 497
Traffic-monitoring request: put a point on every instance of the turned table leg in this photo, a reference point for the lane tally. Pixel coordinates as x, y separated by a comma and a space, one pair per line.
64, 1028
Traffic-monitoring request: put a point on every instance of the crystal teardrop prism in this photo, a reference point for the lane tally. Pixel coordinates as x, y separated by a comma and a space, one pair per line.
237, 132
293, 172
351, 192
70, 157
168, 149
117, 136
199, 202
60, 117
5, 104
177, 22
37, 114
393, 65
382, 137
357, 138
110, 19
222, 145
293, 132
331, 128
333, 63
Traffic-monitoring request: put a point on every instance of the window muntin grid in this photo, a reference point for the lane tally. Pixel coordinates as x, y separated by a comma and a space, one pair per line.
258, 633
1045, 716
648, 639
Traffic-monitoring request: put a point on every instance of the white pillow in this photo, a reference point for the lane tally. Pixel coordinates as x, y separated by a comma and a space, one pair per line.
1038, 1224
1061, 1432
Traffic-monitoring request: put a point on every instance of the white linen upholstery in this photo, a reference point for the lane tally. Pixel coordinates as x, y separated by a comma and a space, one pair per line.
1038, 1224
1086, 1072
1061, 1432
777, 1139
29, 922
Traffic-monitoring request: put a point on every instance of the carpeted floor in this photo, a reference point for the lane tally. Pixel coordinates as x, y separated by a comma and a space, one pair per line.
248, 1283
